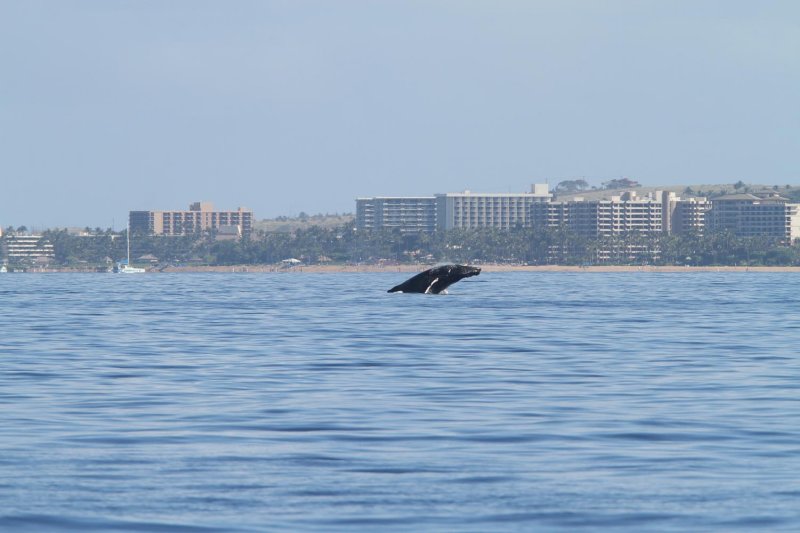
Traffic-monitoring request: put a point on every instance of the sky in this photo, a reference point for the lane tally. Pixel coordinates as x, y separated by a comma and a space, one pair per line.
287, 106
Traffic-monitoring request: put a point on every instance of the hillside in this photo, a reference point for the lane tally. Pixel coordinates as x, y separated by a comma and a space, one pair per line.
292, 224
708, 190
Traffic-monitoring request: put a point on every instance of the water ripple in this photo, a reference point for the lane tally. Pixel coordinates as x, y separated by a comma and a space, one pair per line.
528, 401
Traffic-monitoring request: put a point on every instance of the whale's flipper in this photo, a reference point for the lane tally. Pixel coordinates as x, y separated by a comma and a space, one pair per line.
428, 290
436, 280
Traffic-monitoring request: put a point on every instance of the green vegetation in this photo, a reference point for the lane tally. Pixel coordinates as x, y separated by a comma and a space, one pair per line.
571, 186
620, 183
344, 245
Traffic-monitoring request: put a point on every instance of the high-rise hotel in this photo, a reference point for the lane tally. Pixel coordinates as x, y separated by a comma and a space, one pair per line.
749, 215
488, 210
744, 215
658, 212
199, 218
410, 214
446, 211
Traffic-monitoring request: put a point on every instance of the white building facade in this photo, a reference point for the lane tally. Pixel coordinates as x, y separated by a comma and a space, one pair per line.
21, 248
748, 215
468, 209
411, 214
658, 212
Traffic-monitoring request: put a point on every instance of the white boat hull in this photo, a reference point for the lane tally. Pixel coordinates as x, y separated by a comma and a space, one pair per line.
125, 269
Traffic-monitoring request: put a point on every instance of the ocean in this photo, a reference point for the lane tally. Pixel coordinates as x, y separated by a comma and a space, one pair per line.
520, 401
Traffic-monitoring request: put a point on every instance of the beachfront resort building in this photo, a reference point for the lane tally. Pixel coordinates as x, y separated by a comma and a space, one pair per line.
468, 209
658, 212
446, 211
687, 215
201, 217
651, 215
411, 214
748, 215
654, 213
28, 248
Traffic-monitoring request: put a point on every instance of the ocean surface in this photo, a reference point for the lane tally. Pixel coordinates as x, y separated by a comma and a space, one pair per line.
318, 402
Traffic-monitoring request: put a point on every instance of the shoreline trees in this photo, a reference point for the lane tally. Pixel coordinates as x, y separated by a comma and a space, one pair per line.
345, 245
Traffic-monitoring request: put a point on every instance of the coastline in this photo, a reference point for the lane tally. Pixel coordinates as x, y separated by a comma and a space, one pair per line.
323, 269
485, 268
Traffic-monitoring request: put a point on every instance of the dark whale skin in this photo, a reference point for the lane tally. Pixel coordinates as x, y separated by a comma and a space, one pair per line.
437, 279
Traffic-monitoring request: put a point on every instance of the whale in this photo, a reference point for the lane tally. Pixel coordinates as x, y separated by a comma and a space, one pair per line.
435, 280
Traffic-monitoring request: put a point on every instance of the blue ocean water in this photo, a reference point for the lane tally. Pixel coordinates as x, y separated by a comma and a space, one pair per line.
318, 402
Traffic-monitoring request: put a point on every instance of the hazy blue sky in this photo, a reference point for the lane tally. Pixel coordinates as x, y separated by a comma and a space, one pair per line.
289, 106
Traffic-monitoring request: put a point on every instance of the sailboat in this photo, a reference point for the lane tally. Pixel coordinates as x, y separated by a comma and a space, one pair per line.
127, 268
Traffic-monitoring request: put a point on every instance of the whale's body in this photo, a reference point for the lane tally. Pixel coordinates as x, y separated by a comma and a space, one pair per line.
436, 280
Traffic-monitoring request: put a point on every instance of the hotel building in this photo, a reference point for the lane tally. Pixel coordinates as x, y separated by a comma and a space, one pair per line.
408, 214
748, 215
465, 209
199, 218
687, 215
28, 248
488, 210
659, 212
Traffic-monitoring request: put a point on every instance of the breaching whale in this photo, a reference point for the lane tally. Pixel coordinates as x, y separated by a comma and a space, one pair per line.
437, 279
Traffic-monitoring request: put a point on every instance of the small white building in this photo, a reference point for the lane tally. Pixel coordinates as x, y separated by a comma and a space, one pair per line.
28, 247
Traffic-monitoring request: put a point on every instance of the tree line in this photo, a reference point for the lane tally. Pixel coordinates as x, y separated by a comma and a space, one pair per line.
345, 245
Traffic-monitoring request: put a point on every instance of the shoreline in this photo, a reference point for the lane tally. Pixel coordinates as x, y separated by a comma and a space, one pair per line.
324, 269
484, 268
